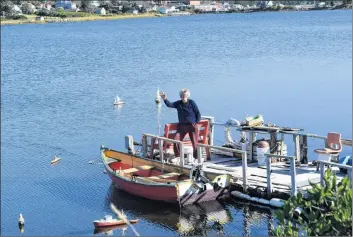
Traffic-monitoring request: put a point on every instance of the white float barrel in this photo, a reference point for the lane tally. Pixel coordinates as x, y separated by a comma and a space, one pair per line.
262, 148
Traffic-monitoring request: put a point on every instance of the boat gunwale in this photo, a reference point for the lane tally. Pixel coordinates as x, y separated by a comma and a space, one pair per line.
150, 182
179, 168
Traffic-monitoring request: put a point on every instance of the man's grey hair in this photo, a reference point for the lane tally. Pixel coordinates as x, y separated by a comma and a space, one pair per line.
181, 93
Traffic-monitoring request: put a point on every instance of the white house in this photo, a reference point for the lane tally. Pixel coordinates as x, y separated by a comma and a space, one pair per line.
321, 4
163, 10
17, 9
269, 4
67, 5
101, 11
238, 6
135, 12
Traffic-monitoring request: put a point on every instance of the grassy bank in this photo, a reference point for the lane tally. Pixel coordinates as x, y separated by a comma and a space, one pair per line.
31, 19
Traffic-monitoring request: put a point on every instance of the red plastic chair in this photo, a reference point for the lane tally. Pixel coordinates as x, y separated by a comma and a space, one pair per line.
170, 130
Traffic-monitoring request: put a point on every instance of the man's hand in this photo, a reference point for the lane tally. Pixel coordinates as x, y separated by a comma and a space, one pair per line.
163, 95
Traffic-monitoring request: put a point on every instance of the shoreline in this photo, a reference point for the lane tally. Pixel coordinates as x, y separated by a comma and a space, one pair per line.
77, 19
47, 20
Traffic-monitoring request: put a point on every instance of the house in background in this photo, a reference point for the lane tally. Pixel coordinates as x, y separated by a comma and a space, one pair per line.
163, 10
67, 5
101, 11
167, 9
192, 3
16, 9
46, 5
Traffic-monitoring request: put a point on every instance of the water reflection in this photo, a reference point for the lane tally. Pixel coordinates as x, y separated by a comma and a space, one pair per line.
109, 231
208, 217
21, 228
255, 216
118, 108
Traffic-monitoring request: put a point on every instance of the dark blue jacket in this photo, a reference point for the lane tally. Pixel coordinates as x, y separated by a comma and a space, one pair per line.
187, 112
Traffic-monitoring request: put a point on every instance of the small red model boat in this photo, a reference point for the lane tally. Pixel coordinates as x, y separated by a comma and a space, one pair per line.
109, 221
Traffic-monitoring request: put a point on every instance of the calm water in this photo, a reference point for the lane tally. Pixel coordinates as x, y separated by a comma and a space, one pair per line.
58, 83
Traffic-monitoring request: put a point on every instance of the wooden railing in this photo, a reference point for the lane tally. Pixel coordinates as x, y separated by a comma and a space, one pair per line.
292, 173
160, 144
322, 169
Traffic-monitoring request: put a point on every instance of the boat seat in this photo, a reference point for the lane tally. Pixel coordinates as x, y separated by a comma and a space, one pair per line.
132, 170
165, 176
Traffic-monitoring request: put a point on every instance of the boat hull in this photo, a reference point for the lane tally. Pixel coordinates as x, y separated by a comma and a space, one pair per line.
158, 193
99, 224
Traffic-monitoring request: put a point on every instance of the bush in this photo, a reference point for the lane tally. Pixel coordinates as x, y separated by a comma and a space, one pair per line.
43, 12
16, 17
27, 8
326, 212
61, 13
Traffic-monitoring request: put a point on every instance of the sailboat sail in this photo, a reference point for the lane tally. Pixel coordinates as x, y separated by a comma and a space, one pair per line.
158, 97
118, 101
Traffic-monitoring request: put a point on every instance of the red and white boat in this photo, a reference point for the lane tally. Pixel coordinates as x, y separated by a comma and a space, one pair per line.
110, 221
149, 181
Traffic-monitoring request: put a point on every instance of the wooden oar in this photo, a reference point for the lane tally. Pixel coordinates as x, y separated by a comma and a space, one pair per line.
123, 217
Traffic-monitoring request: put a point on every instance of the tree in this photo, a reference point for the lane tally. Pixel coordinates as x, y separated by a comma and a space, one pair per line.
27, 8
17, 2
143, 10
114, 2
327, 211
87, 6
126, 9
6, 6
107, 5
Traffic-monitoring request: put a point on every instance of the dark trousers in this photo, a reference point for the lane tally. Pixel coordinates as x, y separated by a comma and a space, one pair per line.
184, 129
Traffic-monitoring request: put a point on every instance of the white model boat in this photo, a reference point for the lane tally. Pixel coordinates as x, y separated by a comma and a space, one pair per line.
118, 101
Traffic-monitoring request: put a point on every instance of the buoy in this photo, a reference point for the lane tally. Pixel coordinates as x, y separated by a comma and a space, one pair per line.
254, 199
264, 201
276, 202
55, 160
240, 195
21, 220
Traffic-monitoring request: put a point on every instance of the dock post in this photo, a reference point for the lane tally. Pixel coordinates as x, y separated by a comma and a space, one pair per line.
144, 146
293, 174
161, 154
297, 147
181, 154
268, 169
199, 154
282, 145
322, 172
245, 166
211, 119
251, 141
